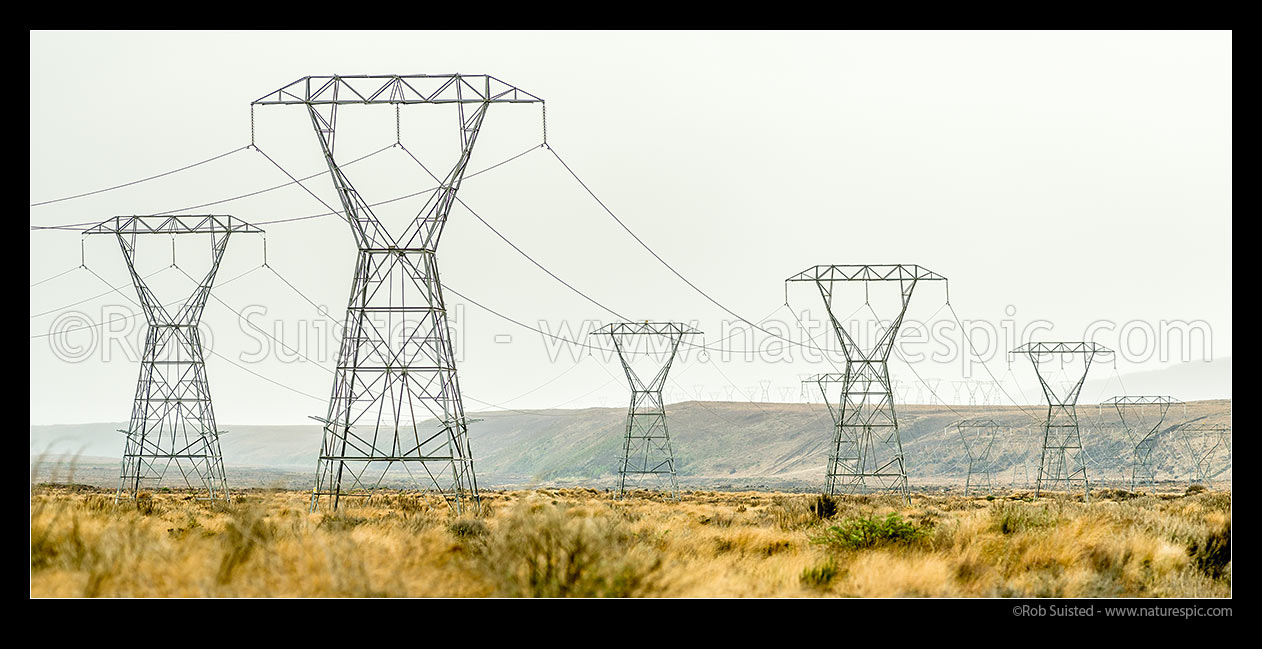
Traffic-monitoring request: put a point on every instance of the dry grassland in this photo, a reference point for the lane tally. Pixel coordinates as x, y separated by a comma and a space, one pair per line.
582, 543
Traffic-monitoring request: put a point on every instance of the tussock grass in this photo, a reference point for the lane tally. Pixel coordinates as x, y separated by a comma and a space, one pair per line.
583, 543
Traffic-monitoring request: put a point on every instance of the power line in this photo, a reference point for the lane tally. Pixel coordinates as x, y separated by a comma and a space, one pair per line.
299, 183
659, 257
136, 182
65, 226
42, 281
78, 226
260, 330
113, 289
269, 189
134, 314
224, 357
273, 382
553, 275
986, 367
513, 245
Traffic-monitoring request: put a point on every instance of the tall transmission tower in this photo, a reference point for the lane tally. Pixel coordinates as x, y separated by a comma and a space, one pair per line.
1141, 417
866, 444
830, 389
396, 399
979, 437
1019, 446
172, 421
646, 449
1062, 461
1204, 442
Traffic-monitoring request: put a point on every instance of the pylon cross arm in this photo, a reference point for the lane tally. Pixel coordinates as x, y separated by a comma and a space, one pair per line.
866, 273
1139, 400
646, 329
907, 275
825, 378
174, 224
1039, 349
397, 89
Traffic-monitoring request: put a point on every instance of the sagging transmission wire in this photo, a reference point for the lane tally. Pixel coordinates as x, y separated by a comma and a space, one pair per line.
293, 180
556, 277
663, 261
49, 279
738, 316
985, 366
137, 182
502, 316
113, 289
323, 313
213, 352
333, 211
136, 314
269, 189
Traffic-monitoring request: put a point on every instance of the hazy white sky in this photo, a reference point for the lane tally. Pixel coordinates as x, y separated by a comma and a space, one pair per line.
1065, 178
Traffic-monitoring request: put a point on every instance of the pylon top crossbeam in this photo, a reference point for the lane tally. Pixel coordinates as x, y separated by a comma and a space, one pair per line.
1204, 428
1140, 400
866, 273
1039, 349
825, 378
824, 276
397, 89
976, 423
646, 329
174, 224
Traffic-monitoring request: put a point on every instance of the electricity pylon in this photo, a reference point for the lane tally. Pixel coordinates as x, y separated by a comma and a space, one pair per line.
172, 421
1141, 417
828, 386
1203, 442
646, 450
866, 443
1062, 461
396, 399
978, 436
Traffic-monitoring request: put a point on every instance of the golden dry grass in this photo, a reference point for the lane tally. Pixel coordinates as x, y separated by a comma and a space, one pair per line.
580, 542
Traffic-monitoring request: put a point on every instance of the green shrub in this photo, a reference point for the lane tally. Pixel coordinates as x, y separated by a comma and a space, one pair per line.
821, 575
869, 532
548, 551
1211, 554
467, 528
1011, 518
824, 507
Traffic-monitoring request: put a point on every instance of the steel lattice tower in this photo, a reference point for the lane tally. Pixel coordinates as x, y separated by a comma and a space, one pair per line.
1203, 442
983, 433
866, 443
1141, 417
396, 369
829, 386
1062, 460
172, 421
646, 449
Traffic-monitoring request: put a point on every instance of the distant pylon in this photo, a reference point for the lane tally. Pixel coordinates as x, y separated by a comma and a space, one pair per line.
646, 449
1141, 417
396, 401
978, 436
1062, 462
172, 421
866, 444
1204, 442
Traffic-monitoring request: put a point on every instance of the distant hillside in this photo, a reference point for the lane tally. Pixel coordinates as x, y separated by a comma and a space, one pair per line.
1193, 380
716, 444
